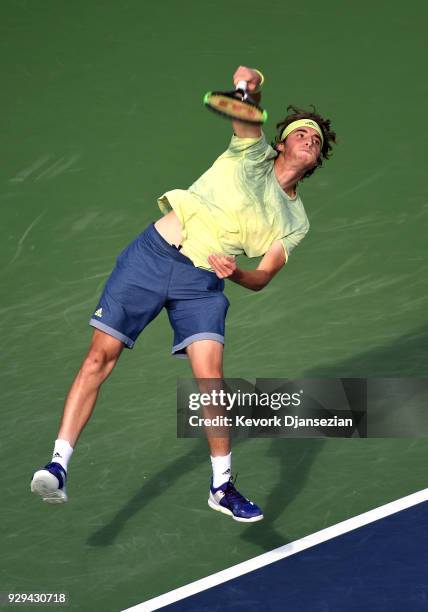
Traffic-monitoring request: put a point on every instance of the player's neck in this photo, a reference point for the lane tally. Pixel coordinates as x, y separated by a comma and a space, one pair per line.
288, 175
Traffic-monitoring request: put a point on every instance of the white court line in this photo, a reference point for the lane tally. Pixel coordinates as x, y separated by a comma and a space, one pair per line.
281, 553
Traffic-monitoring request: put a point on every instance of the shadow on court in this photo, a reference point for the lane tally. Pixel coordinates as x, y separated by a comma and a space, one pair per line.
407, 356
152, 488
295, 458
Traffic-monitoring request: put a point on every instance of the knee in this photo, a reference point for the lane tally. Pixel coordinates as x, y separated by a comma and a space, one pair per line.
97, 364
211, 373
210, 381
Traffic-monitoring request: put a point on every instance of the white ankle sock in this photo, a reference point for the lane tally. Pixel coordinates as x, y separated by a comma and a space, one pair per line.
221, 469
62, 453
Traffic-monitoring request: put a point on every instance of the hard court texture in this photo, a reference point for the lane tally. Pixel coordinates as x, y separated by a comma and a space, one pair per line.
101, 113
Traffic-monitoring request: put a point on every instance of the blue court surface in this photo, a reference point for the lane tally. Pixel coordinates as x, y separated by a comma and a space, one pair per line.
377, 561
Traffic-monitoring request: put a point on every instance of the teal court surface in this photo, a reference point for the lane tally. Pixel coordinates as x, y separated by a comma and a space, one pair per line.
102, 113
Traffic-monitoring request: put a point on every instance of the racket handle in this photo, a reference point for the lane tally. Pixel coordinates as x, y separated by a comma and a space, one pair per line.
242, 85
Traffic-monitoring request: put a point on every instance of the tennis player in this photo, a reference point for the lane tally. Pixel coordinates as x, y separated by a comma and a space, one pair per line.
246, 203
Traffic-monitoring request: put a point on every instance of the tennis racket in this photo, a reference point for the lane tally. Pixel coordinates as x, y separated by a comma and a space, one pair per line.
236, 104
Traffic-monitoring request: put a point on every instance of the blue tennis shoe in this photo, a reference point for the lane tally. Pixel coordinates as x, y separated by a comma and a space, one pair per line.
49, 482
228, 500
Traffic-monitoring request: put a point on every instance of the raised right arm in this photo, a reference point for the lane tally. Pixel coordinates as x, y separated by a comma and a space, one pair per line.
241, 129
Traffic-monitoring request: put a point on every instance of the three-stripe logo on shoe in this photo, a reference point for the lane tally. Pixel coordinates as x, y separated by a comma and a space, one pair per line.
99, 312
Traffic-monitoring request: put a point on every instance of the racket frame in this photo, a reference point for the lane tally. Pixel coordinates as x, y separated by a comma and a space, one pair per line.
241, 95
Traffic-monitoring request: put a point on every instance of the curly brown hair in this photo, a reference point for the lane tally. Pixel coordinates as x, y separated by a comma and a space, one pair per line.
295, 113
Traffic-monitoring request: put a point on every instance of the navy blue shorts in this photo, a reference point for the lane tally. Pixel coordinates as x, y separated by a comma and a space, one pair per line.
150, 274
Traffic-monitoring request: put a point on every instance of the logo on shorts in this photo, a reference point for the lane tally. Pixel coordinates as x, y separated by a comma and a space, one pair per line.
99, 312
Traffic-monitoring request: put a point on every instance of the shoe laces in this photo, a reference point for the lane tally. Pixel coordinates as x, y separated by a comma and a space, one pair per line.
231, 492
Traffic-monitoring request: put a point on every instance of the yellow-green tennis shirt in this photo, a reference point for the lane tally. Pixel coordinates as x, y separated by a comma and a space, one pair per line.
237, 206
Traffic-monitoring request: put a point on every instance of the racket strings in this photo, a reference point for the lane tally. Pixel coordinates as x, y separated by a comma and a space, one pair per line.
235, 108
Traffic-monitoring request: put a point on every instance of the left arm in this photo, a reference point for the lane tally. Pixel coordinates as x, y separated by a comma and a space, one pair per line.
272, 262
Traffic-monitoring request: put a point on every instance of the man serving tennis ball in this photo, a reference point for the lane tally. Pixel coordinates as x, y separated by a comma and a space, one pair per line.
246, 203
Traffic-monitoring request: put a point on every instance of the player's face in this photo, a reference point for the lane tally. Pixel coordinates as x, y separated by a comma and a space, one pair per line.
304, 145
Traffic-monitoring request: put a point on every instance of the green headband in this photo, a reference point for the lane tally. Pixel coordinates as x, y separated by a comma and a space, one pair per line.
302, 123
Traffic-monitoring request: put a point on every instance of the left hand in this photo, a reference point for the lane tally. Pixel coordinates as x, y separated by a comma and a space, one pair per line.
223, 265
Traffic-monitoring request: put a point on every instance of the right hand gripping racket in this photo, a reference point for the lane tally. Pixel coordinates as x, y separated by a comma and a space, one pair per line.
236, 104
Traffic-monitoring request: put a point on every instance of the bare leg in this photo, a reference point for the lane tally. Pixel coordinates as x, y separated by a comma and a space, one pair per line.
206, 359
104, 351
